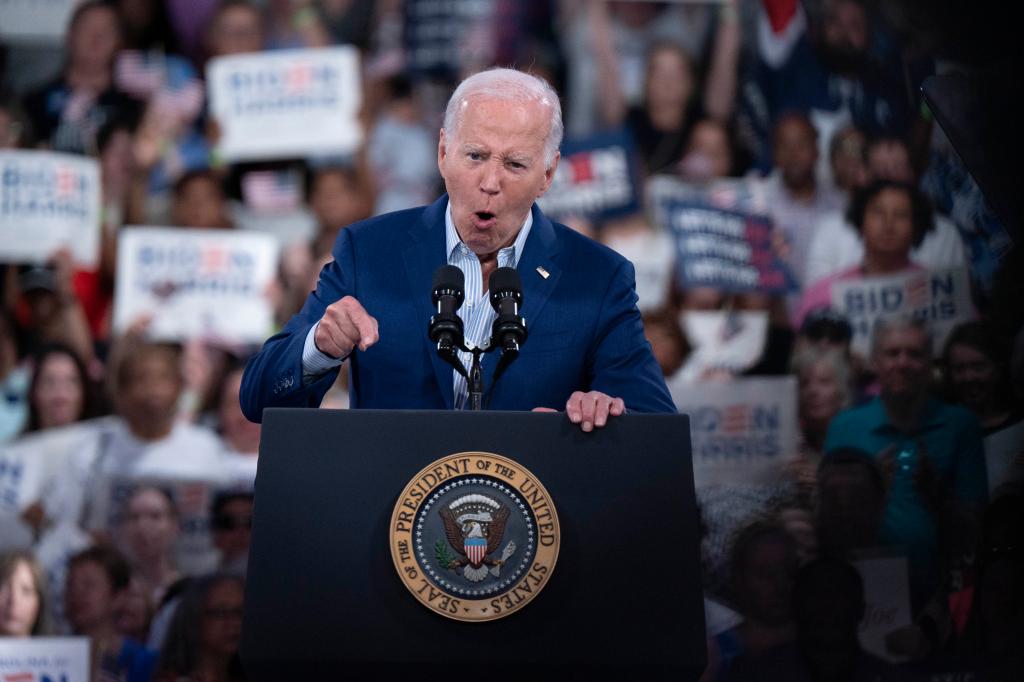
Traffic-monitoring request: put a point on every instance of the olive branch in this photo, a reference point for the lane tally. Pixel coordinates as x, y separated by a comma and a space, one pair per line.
444, 557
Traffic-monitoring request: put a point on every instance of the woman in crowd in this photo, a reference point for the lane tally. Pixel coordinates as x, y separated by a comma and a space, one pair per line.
824, 389
977, 376
96, 577
892, 218
762, 567
23, 602
150, 532
61, 392
203, 640
68, 112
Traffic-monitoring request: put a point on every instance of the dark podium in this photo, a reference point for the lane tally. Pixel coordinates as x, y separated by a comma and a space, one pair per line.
324, 599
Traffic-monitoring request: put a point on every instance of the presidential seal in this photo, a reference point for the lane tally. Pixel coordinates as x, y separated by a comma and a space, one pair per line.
474, 536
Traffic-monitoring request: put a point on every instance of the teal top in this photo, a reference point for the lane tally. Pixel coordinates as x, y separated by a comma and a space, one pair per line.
952, 438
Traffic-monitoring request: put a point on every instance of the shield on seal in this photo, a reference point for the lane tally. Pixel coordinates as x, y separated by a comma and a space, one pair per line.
476, 550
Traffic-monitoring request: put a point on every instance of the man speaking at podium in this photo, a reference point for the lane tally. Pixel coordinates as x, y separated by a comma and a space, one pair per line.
585, 352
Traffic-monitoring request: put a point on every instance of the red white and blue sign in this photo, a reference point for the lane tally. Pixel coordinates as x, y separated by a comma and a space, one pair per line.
597, 178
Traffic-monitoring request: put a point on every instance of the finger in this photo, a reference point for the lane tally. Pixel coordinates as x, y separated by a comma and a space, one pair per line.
573, 409
588, 408
602, 405
544, 409
617, 408
362, 323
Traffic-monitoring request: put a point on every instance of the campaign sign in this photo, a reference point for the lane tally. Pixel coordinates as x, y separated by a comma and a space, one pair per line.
886, 601
742, 431
726, 250
49, 201
44, 659
597, 177
943, 297
35, 21
208, 284
287, 103
194, 551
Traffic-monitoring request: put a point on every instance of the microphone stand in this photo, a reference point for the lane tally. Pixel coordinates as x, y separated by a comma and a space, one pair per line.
475, 376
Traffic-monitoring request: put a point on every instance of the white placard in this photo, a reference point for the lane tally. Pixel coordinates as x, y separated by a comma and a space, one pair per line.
48, 201
887, 602
287, 103
209, 284
35, 21
742, 431
722, 340
44, 659
651, 254
1004, 456
943, 297
27, 464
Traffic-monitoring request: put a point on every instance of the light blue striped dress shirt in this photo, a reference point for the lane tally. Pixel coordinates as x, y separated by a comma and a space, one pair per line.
476, 311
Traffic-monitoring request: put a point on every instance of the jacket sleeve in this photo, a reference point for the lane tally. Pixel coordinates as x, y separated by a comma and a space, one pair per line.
273, 377
620, 360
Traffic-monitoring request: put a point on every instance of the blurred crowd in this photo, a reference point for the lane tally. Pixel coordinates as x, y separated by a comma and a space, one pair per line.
808, 112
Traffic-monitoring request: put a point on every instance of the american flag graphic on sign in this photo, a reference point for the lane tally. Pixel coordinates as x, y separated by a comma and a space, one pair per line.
272, 191
476, 550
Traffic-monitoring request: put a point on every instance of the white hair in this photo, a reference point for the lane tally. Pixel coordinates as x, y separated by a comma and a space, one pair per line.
508, 85
887, 323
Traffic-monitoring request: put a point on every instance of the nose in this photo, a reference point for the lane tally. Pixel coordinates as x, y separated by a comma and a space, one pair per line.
490, 182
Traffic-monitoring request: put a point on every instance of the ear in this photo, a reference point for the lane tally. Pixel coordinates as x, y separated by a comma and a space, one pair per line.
442, 151
549, 174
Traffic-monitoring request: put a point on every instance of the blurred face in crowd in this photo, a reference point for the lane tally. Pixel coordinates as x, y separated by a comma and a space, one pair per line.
221, 629
888, 228
973, 375
849, 508
494, 167
708, 154
94, 39
200, 203
666, 346
336, 199
151, 526
845, 27
19, 602
236, 30
767, 582
796, 152
88, 597
848, 168
59, 393
151, 388
902, 359
821, 397
137, 14
132, 611
232, 529
890, 160
239, 432
669, 78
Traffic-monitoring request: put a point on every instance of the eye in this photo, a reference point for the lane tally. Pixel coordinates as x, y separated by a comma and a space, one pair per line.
516, 165
475, 156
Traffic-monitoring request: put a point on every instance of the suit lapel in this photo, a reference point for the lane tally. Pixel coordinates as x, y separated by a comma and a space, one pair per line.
424, 254
537, 259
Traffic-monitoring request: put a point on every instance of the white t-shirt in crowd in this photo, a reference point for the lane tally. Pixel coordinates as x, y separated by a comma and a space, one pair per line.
187, 453
239, 468
837, 246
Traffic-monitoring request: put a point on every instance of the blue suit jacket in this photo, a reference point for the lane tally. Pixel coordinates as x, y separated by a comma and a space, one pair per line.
585, 331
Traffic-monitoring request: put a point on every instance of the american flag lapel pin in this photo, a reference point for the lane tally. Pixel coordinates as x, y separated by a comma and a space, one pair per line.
543, 273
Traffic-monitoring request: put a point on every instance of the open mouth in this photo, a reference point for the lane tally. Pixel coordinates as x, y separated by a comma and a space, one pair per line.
484, 216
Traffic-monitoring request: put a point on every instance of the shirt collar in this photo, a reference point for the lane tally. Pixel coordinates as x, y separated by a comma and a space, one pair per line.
453, 242
931, 417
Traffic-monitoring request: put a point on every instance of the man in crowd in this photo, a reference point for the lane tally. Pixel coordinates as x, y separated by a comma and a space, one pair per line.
930, 452
586, 351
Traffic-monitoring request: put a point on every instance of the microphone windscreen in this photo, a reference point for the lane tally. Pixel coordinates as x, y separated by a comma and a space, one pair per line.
449, 277
505, 280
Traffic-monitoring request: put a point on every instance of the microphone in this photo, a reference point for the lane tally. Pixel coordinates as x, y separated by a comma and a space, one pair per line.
446, 328
509, 329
